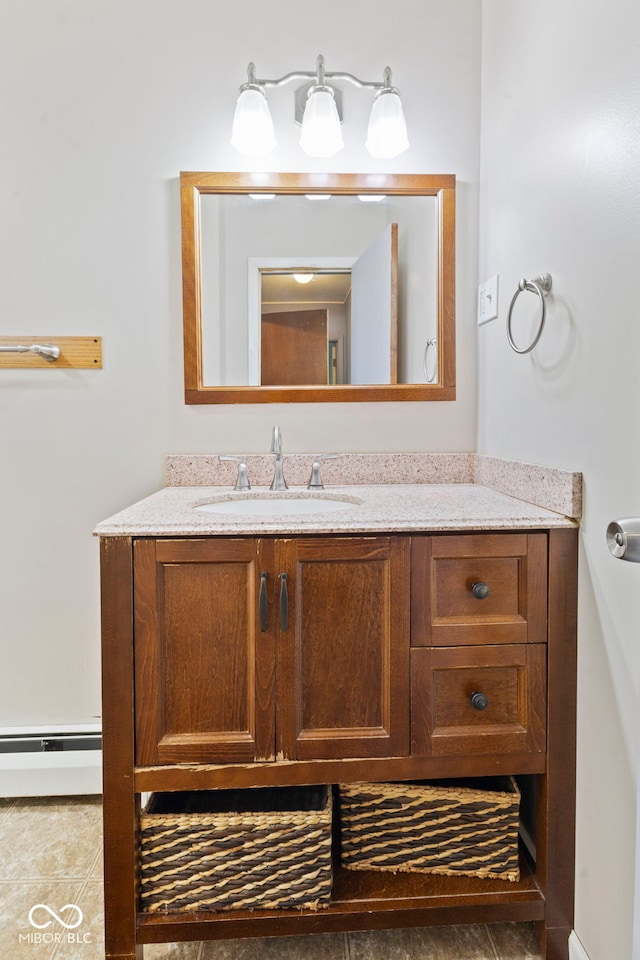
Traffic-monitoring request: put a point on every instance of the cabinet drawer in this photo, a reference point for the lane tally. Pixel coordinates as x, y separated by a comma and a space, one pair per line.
479, 588
478, 700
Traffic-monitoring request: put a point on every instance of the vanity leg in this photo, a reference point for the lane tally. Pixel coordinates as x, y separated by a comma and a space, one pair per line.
120, 803
553, 943
555, 843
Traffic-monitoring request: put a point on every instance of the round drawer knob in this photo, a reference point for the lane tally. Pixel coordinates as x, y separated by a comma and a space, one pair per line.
480, 590
479, 701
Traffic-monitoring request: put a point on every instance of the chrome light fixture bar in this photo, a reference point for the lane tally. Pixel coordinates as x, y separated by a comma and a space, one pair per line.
318, 106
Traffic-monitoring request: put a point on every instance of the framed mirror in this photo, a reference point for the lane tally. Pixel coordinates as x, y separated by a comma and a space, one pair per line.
318, 287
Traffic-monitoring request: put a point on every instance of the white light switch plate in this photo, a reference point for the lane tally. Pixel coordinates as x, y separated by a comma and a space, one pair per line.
488, 300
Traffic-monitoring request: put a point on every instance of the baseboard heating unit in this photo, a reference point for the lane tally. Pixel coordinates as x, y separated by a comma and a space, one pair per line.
58, 761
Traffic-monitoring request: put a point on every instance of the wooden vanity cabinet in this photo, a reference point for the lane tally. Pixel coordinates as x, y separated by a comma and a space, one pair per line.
248, 661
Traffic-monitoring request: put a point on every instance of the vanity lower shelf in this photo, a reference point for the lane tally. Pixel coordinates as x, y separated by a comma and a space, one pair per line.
366, 900
291, 773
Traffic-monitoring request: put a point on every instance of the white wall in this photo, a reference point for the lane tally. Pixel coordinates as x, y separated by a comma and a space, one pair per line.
560, 192
102, 104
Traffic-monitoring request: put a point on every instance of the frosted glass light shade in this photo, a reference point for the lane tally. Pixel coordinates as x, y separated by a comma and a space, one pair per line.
387, 133
252, 133
321, 134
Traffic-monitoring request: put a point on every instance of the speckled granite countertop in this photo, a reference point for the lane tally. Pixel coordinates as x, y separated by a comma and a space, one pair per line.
419, 507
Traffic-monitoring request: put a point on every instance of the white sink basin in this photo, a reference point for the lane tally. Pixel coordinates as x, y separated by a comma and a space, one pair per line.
277, 504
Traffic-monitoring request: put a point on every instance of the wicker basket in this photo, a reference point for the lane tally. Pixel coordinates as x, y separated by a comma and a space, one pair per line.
236, 850
452, 827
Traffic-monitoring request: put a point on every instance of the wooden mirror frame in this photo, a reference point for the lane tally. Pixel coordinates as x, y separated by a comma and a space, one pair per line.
193, 185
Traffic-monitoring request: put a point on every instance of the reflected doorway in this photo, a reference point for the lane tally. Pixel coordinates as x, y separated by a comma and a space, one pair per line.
325, 323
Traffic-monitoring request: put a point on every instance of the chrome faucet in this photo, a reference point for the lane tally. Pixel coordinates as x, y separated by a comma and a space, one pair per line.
278, 482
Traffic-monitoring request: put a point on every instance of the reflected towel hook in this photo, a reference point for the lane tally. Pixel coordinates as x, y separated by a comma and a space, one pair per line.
431, 344
540, 286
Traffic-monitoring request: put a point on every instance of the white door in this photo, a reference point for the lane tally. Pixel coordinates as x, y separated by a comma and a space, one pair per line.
374, 311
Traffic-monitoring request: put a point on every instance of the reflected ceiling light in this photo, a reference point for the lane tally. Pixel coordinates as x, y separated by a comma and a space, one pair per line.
372, 197
318, 196
318, 110
303, 277
262, 196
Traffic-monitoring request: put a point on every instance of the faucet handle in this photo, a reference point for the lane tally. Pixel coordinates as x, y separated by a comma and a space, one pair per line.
315, 480
242, 479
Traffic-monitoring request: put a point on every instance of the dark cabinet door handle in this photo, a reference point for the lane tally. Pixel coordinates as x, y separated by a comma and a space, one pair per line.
284, 602
480, 590
262, 602
479, 701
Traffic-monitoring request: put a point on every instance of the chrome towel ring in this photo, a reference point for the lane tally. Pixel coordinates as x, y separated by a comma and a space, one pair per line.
540, 286
431, 345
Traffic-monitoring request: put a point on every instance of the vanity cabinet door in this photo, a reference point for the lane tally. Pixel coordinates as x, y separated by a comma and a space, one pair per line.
343, 648
204, 667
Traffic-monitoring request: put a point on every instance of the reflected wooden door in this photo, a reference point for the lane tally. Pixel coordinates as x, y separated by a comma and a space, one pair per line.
294, 348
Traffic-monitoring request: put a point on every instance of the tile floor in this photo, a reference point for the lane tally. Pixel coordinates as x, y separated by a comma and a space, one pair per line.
51, 857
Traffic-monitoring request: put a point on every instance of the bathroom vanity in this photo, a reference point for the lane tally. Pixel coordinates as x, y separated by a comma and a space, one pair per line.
292, 648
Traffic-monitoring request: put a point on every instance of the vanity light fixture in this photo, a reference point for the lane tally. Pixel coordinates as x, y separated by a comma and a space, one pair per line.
252, 133
303, 277
387, 133
318, 110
